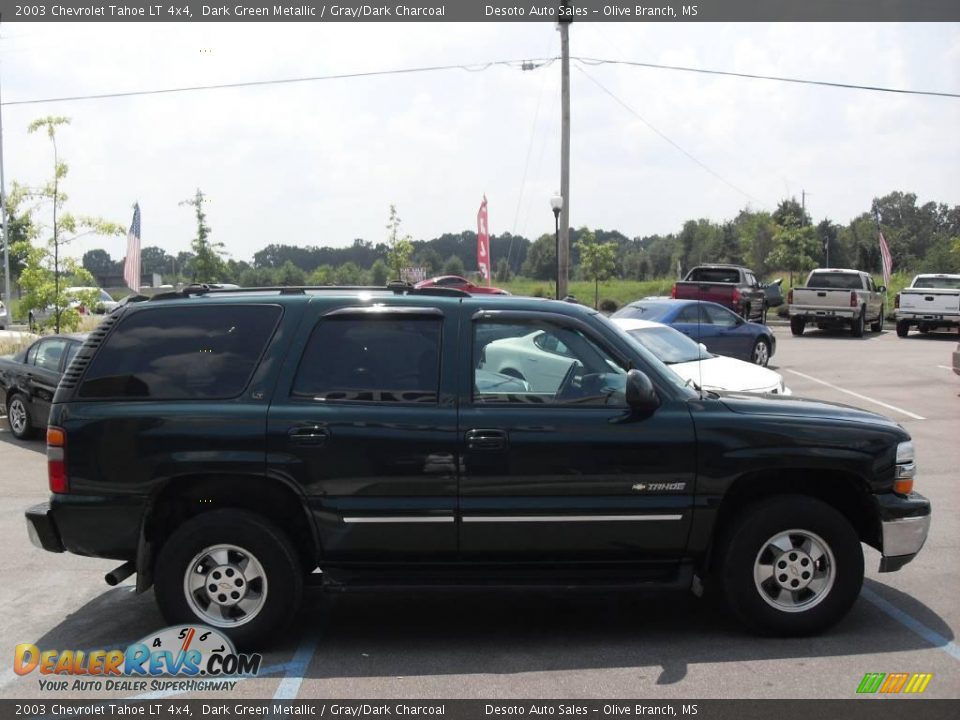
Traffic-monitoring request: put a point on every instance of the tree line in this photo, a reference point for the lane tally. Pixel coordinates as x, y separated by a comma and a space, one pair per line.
922, 238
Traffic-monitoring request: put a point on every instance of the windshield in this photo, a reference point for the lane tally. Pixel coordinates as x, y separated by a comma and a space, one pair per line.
835, 281
668, 344
648, 357
645, 310
937, 283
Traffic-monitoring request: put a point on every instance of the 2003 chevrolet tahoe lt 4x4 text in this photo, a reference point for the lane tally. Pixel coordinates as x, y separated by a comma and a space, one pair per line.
225, 444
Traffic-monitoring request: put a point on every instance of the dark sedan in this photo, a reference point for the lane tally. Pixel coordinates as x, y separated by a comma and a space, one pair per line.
721, 330
29, 379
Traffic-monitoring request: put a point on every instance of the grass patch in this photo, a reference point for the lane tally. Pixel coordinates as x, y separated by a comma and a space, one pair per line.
620, 291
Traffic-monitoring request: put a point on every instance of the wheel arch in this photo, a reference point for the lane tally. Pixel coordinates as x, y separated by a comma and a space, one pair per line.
182, 498
845, 491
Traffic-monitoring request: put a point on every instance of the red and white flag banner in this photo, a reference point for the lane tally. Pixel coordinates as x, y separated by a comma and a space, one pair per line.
483, 242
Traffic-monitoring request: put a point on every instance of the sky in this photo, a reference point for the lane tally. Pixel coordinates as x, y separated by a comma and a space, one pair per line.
320, 163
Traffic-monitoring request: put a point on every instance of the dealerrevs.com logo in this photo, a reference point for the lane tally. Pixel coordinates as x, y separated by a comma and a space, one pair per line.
202, 657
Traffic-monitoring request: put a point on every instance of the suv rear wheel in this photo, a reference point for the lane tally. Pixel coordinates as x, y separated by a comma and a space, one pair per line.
230, 569
793, 566
797, 324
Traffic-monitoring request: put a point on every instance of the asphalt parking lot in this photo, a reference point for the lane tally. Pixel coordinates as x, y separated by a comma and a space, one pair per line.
553, 645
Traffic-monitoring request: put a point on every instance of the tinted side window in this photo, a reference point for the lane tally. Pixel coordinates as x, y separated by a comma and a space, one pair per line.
372, 359
32, 354
720, 316
690, 314
525, 367
181, 353
50, 353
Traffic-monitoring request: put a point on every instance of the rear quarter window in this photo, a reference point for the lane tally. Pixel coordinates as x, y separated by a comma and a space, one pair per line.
181, 353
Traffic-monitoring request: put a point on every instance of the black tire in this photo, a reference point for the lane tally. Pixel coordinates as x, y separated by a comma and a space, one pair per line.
858, 325
746, 313
903, 328
878, 325
763, 314
760, 355
19, 418
748, 547
281, 589
797, 324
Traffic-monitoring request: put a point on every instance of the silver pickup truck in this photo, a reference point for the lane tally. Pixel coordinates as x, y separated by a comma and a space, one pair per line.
932, 301
835, 297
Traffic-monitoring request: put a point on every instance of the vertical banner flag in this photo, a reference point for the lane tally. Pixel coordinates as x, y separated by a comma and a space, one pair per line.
885, 259
131, 268
483, 242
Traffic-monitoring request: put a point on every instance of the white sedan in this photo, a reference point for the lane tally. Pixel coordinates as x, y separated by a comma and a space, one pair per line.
693, 362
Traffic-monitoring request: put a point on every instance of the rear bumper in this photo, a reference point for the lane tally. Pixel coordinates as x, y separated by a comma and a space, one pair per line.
89, 525
905, 524
823, 314
42, 529
944, 318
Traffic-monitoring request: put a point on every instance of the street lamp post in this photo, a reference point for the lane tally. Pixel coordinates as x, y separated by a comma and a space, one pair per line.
556, 204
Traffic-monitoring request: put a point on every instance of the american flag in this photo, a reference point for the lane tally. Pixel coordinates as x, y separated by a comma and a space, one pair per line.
131, 268
885, 259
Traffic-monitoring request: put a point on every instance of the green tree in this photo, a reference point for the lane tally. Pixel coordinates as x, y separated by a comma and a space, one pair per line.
154, 259
19, 229
400, 249
348, 274
206, 266
323, 275
503, 273
454, 266
597, 260
289, 274
379, 272
43, 266
541, 260
795, 249
98, 262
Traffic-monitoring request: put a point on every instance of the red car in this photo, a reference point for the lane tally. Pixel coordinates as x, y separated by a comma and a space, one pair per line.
459, 283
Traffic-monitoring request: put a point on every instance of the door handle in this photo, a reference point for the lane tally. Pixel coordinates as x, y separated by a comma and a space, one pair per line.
487, 439
309, 435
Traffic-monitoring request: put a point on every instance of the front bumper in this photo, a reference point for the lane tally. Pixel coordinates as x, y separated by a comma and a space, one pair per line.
42, 528
904, 523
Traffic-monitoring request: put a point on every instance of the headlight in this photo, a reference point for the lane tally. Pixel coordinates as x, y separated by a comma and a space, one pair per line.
906, 469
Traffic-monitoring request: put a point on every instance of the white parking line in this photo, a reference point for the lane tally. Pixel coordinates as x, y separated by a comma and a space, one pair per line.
289, 687
908, 621
858, 395
945, 367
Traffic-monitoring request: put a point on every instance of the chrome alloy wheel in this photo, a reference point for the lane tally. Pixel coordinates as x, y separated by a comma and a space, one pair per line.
761, 353
17, 416
225, 585
794, 571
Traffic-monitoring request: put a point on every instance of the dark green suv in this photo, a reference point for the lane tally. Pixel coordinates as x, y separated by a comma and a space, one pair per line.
225, 445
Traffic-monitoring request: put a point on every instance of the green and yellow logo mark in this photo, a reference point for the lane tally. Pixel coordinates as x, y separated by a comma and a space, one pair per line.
894, 683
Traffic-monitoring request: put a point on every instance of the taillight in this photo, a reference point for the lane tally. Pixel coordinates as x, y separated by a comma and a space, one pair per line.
673, 292
896, 302
57, 460
853, 299
790, 297
736, 296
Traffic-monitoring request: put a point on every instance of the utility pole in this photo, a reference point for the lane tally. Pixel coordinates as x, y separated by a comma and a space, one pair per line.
563, 251
3, 221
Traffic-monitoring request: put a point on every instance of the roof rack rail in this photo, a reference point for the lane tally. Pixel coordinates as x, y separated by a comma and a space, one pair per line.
398, 288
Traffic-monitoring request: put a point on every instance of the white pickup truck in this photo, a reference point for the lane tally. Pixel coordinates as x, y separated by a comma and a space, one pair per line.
932, 301
836, 297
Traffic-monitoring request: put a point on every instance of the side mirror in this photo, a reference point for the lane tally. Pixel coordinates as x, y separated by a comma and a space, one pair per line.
882, 288
640, 393
703, 349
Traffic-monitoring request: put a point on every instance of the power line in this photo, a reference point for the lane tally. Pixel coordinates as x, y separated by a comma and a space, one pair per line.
477, 67
752, 76
529, 64
662, 135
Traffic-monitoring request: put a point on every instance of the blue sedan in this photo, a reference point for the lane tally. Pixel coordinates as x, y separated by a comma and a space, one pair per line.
721, 330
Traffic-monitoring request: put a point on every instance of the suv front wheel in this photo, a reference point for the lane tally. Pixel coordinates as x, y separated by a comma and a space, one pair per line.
230, 569
793, 566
